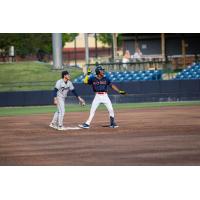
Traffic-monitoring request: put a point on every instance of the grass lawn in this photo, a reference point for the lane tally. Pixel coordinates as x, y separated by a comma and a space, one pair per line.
15, 111
24, 76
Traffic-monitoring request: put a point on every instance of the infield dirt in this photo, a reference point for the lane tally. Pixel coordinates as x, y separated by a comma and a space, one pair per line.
158, 137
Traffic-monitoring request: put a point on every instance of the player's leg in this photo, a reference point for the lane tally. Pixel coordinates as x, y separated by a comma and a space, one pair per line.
54, 122
61, 113
109, 106
94, 106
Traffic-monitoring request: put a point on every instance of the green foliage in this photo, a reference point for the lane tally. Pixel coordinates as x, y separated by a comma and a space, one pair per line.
42, 41
26, 43
119, 40
30, 43
106, 38
68, 37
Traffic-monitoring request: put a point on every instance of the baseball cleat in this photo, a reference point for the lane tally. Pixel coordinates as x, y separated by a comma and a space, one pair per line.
52, 125
114, 126
84, 125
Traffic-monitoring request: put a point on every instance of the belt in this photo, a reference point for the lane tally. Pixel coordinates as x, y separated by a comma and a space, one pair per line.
101, 92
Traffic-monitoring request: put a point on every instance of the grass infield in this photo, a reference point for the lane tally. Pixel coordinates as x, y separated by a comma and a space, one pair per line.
29, 110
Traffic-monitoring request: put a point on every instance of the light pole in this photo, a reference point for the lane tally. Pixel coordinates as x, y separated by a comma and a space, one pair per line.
114, 38
75, 59
96, 48
57, 50
163, 46
86, 49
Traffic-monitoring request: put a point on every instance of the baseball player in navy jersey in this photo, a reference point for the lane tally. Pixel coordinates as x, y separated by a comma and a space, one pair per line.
100, 85
62, 87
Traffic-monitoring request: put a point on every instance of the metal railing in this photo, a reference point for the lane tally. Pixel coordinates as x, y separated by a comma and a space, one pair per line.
132, 66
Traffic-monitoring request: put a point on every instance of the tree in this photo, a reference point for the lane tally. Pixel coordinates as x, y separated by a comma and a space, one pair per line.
106, 38
25, 43
31, 43
68, 37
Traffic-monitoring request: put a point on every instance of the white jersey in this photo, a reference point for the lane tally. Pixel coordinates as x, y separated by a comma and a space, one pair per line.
63, 88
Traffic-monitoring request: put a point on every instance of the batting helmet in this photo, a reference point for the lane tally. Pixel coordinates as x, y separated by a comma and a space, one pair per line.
98, 69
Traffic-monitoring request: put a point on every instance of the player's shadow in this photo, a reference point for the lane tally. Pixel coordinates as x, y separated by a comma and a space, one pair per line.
105, 126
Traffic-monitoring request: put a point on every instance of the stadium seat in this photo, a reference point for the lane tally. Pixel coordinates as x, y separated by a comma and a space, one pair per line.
191, 72
127, 76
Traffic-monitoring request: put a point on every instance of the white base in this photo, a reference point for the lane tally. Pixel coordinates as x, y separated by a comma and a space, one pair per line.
71, 128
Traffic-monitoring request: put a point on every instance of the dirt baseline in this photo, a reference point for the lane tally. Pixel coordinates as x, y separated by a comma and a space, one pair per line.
159, 136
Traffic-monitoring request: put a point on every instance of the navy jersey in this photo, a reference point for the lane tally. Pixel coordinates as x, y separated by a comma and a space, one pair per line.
99, 85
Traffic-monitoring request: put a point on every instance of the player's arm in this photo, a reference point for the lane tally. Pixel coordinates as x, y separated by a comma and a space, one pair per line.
55, 91
81, 101
114, 87
55, 95
87, 77
75, 93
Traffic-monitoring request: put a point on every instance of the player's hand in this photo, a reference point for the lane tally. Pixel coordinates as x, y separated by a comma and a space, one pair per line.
122, 92
55, 101
89, 71
81, 101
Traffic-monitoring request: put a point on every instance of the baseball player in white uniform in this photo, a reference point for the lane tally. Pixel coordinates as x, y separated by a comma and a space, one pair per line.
100, 85
62, 87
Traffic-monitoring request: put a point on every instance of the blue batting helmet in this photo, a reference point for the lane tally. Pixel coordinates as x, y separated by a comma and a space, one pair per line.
98, 69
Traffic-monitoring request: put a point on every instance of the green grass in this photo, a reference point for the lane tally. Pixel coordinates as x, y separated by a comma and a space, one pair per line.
15, 111
25, 76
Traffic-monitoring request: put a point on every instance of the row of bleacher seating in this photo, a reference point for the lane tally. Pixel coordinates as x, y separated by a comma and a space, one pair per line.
127, 76
191, 72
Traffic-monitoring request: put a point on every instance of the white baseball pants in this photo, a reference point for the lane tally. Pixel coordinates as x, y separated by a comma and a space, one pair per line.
98, 99
59, 114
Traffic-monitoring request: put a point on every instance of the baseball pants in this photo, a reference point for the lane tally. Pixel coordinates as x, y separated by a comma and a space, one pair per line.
59, 114
98, 99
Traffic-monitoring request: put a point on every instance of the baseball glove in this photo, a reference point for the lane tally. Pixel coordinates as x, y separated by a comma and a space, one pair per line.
122, 92
81, 101
89, 71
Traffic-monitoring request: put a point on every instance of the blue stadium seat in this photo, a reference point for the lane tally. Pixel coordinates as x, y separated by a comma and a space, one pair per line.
113, 79
138, 79
82, 76
197, 76
75, 80
127, 76
146, 78
143, 75
121, 79
130, 78
191, 72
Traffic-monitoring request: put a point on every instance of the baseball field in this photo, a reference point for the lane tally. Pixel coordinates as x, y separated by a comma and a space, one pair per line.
160, 134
